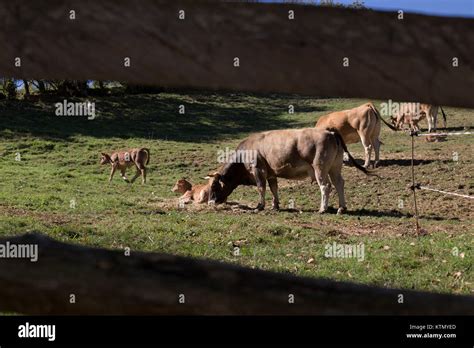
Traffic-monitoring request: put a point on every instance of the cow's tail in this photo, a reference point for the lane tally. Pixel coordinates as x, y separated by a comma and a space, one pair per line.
341, 142
444, 117
374, 109
148, 155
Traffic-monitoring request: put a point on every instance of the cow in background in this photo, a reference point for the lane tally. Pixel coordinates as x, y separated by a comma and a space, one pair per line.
361, 123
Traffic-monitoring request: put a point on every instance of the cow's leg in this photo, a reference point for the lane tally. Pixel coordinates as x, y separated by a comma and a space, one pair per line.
324, 186
143, 171
202, 197
122, 172
430, 122
376, 143
367, 148
112, 172
137, 174
434, 116
186, 198
338, 182
273, 183
261, 186
400, 121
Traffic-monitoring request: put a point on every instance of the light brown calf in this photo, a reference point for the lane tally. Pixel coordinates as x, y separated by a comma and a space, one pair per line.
125, 159
408, 119
358, 124
196, 193
413, 113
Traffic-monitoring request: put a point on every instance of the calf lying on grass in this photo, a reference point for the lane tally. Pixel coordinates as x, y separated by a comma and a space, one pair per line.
125, 159
196, 193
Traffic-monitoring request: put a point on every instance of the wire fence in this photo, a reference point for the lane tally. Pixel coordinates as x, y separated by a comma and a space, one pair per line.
443, 134
416, 186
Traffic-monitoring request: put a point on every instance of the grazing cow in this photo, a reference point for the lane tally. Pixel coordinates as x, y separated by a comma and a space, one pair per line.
196, 193
125, 159
413, 113
290, 154
358, 124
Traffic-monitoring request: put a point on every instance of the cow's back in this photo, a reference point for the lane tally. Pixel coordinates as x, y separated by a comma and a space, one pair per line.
290, 153
349, 123
285, 143
415, 109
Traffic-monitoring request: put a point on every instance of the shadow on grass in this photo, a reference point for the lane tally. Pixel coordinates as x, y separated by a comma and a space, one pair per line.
234, 206
451, 129
391, 213
206, 117
407, 162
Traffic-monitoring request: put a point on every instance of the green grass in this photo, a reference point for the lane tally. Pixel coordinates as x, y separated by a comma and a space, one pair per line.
59, 163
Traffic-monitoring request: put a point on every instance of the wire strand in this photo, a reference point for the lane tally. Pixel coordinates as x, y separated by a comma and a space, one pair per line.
446, 192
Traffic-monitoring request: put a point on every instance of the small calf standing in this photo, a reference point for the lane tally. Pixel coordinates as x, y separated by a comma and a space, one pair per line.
125, 159
408, 119
196, 193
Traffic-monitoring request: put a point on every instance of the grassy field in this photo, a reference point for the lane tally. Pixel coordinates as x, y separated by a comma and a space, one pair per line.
59, 166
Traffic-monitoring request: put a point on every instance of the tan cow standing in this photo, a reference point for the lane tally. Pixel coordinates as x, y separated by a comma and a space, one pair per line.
358, 124
124, 159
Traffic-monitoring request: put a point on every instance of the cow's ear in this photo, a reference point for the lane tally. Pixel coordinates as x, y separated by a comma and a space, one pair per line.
103, 154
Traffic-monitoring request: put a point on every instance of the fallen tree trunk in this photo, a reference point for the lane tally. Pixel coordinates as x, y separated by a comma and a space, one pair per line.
410, 59
109, 282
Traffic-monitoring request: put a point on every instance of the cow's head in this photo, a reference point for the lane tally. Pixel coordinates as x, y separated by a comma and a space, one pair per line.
104, 158
393, 120
181, 186
218, 188
222, 183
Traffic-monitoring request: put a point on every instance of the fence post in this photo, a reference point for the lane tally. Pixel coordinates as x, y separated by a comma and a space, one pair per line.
413, 133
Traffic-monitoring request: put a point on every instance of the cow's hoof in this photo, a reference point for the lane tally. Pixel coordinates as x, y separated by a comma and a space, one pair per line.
275, 207
376, 164
260, 207
322, 211
341, 210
